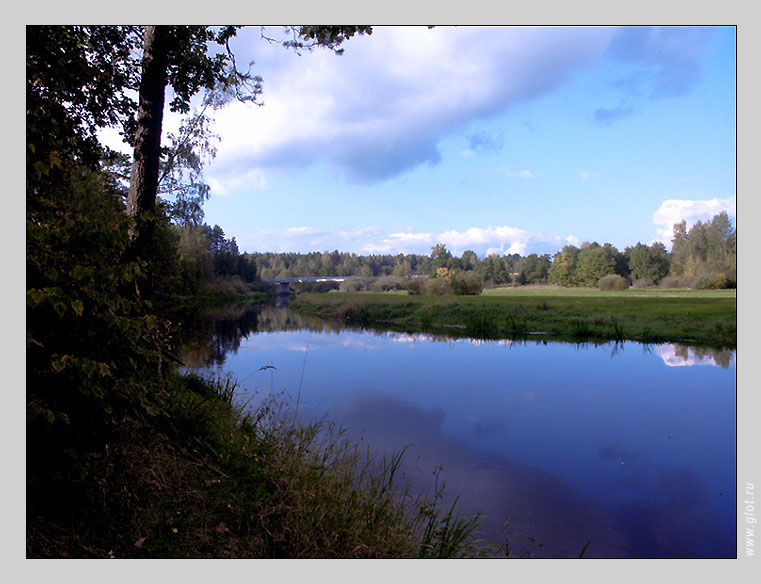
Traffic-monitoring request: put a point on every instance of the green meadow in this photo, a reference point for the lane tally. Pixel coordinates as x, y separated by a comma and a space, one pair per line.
646, 315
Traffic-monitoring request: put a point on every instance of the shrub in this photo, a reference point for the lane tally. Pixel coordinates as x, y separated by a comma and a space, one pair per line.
352, 285
466, 283
416, 286
316, 287
613, 282
230, 286
710, 282
438, 287
670, 282
387, 283
642, 283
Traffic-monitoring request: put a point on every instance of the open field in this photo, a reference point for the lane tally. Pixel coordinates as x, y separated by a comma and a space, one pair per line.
646, 315
559, 291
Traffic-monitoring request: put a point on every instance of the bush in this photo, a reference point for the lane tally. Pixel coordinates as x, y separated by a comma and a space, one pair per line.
438, 287
387, 283
466, 283
642, 283
229, 286
352, 285
710, 282
671, 282
316, 287
416, 286
613, 282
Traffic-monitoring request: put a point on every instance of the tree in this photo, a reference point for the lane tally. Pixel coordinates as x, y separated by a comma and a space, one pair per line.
680, 250
175, 56
469, 259
720, 235
499, 270
178, 56
706, 255
79, 79
440, 257
648, 262
563, 269
595, 262
181, 178
534, 268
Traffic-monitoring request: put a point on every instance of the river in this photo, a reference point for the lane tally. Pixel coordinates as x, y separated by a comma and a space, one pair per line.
629, 447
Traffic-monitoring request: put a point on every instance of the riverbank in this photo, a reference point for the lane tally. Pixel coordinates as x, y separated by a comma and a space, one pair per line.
211, 478
644, 315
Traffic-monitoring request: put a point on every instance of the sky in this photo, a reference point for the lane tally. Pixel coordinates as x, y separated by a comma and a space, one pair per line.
494, 139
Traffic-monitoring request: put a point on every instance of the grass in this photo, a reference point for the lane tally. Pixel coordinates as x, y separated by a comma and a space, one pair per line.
216, 479
648, 315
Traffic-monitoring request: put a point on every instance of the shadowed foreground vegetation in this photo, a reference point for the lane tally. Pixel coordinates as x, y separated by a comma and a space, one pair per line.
126, 457
210, 479
654, 315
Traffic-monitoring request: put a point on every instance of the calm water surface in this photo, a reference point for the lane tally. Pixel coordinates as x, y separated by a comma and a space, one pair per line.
630, 447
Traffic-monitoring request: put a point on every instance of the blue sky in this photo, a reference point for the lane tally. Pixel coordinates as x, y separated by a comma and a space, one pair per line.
499, 140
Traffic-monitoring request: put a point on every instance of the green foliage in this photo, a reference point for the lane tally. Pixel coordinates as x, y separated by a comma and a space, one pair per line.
664, 315
330, 37
649, 263
563, 269
466, 283
181, 179
534, 269
613, 282
125, 457
215, 480
388, 283
595, 262
92, 367
416, 286
441, 257
705, 251
710, 281
287, 265
468, 260
438, 287
79, 79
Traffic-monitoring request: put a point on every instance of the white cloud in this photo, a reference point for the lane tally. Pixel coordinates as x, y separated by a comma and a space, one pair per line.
400, 243
304, 239
370, 240
381, 108
519, 174
675, 356
252, 180
674, 211
588, 175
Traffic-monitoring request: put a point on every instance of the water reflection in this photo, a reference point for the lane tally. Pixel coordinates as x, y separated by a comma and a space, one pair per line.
209, 336
536, 512
683, 356
571, 442
213, 334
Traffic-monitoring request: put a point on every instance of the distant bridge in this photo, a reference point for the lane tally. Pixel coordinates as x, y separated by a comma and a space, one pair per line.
284, 284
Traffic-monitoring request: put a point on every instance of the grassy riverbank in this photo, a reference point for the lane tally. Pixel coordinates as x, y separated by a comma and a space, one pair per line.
208, 479
646, 315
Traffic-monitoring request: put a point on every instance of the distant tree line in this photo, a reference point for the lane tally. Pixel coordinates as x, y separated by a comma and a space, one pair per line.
704, 256
205, 257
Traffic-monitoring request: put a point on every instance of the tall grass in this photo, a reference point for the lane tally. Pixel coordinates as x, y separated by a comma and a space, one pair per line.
338, 500
217, 478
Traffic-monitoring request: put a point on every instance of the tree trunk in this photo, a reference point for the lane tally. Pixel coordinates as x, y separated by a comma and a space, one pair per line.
141, 201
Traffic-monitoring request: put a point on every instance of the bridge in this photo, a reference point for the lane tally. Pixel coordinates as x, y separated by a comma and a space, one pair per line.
284, 284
